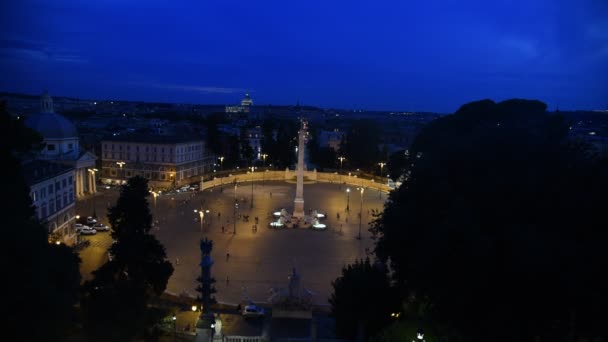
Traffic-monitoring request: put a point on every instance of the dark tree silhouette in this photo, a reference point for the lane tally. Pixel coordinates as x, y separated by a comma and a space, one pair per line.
362, 300
115, 301
498, 232
42, 279
361, 145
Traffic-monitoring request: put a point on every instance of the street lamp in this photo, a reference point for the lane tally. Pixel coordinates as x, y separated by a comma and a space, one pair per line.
347, 199
236, 205
221, 163
154, 195
360, 212
264, 155
252, 168
121, 164
341, 160
174, 326
381, 168
201, 213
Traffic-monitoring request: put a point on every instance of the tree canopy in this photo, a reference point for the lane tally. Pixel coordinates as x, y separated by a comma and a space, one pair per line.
115, 301
499, 229
362, 300
40, 276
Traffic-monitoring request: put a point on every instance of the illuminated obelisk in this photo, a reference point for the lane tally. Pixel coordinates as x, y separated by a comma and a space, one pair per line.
298, 203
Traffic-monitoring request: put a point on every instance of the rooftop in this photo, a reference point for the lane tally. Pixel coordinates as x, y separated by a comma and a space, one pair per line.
36, 171
153, 138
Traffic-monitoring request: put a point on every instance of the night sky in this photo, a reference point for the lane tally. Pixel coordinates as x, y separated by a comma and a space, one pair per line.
430, 55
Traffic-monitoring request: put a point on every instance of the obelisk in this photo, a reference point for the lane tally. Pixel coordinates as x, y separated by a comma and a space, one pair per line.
298, 203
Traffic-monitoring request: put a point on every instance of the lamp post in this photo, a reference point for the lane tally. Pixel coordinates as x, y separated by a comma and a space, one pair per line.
264, 155
341, 160
174, 327
201, 213
252, 168
154, 195
236, 205
362, 189
381, 168
221, 158
121, 164
347, 199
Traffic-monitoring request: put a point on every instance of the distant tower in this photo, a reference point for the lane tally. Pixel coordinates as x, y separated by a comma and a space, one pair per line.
46, 103
246, 101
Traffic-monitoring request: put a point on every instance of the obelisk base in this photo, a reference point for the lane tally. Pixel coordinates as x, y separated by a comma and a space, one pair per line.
298, 208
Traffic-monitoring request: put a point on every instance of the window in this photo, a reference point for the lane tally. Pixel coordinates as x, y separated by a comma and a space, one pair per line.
64, 183
71, 195
50, 147
43, 210
71, 180
57, 186
58, 202
51, 206
43, 193
70, 146
65, 199
50, 189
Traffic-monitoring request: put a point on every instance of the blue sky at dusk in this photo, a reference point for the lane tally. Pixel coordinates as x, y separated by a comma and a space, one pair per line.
400, 55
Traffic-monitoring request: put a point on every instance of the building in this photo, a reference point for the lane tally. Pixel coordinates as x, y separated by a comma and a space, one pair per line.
52, 192
61, 145
245, 107
167, 161
247, 101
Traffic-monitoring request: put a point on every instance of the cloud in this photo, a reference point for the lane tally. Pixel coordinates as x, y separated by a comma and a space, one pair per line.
29, 50
197, 89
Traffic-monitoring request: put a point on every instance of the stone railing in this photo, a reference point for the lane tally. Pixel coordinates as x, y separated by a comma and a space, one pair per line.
290, 176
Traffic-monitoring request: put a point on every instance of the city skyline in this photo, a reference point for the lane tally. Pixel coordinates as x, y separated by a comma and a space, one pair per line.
431, 56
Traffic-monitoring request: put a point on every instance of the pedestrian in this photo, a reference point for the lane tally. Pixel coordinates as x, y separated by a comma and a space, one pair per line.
271, 194
222, 229
177, 261
227, 280
227, 256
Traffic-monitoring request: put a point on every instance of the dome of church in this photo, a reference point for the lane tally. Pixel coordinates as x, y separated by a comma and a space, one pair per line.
50, 124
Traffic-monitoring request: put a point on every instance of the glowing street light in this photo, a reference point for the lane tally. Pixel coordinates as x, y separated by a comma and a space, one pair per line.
121, 164
381, 168
201, 213
252, 168
341, 160
347, 199
362, 189
221, 158
236, 205
264, 155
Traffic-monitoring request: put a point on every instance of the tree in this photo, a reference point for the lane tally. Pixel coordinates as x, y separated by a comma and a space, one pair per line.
115, 301
362, 300
247, 152
497, 229
40, 276
361, 144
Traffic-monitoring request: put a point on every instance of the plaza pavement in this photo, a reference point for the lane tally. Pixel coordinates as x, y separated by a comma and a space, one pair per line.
258, 260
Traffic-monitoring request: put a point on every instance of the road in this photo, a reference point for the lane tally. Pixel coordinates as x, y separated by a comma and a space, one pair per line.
258, 260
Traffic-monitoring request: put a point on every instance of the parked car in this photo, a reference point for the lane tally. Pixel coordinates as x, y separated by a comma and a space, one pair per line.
80, 226
91, 220
252, 311
86, 230
100, 227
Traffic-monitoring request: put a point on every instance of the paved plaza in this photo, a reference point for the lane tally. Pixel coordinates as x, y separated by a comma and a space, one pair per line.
259, 260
